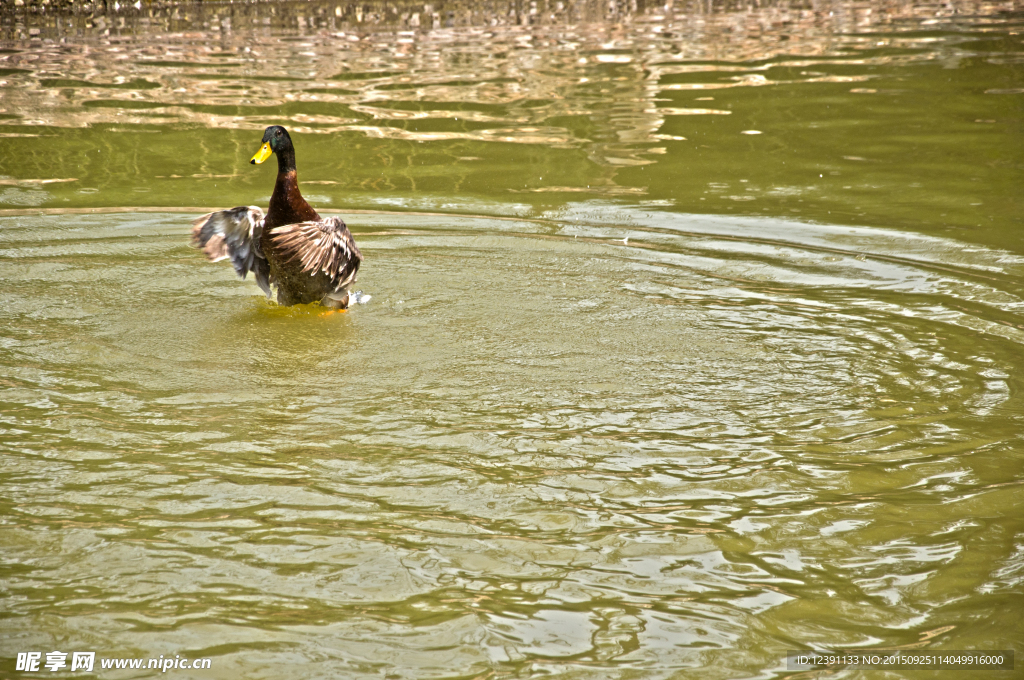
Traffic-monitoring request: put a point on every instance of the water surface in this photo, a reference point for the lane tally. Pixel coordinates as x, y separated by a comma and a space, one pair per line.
695, 338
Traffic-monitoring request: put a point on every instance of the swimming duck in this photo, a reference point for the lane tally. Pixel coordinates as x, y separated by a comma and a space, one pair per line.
308, 258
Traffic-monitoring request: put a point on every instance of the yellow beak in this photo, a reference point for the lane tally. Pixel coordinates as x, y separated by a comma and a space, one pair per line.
263, 154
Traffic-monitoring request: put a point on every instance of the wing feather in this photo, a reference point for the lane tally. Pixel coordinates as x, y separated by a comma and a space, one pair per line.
234, 234
323, 246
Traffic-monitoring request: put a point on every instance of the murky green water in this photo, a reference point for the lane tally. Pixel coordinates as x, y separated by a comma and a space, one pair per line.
640, 393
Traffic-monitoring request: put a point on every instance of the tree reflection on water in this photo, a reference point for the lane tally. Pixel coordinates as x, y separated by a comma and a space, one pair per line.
505, 71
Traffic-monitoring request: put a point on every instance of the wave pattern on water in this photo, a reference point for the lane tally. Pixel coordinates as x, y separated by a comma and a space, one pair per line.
606, 441
898, 115
503, 79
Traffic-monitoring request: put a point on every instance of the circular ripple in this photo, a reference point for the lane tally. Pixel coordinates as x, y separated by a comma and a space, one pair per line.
605, 439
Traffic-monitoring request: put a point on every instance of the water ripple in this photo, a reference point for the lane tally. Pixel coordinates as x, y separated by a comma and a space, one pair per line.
615, 455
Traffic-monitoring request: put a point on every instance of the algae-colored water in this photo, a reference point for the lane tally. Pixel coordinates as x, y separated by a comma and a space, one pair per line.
696, 337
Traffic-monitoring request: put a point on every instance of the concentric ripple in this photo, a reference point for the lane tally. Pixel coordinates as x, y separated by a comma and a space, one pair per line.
607, 442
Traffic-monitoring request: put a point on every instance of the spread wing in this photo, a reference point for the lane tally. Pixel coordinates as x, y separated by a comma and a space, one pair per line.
325, 246
234, 234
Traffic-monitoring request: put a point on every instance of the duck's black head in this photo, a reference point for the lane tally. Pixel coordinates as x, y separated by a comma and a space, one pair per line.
276, 140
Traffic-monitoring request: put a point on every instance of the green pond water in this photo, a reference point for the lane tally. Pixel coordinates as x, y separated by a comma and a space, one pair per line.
696, 336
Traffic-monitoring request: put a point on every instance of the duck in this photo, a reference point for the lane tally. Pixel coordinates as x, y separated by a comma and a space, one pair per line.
308, 258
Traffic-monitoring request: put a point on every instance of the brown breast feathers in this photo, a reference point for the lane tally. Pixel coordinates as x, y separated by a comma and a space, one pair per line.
287, 206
